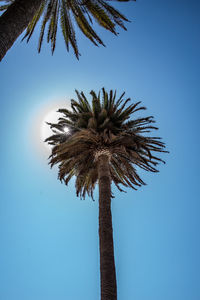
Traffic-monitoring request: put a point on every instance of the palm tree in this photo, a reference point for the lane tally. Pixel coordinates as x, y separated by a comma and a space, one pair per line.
103, 146
23, 14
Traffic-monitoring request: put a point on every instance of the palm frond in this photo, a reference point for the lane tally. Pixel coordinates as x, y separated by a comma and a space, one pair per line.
68, 13
102, 128
33, 23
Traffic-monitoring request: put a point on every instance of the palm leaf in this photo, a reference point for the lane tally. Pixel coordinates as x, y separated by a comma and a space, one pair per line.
103, 130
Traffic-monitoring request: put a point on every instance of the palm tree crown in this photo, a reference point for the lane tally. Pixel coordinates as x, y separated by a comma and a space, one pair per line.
82, 11
103, 128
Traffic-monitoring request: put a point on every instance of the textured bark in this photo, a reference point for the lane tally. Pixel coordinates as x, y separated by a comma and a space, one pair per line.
107, 262
14, 20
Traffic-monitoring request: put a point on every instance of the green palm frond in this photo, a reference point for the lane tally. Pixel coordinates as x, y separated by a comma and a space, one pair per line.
4, 6
102, 126
33, 23
67, 13
68, 29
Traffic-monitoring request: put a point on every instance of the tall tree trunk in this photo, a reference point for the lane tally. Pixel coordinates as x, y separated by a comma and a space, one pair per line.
107, 262
14, 20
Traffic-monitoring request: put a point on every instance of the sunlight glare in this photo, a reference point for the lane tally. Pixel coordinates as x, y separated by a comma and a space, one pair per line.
66, 129
48, 114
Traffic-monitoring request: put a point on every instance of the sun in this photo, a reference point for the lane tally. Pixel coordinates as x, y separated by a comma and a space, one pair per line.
51, 116
66, 129
47, 114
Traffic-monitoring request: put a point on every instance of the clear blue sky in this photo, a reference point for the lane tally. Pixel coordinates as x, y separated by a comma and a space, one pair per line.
49, 238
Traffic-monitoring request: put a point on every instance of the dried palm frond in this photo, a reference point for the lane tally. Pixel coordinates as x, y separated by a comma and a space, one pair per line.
103, 128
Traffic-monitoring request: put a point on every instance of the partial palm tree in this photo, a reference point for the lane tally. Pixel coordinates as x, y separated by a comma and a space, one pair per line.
22, 14
103, 146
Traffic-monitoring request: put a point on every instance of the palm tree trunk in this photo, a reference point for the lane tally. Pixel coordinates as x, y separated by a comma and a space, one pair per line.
107, 262
14, 20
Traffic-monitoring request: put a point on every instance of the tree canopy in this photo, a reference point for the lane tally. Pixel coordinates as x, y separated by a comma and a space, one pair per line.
71, 12
103, 127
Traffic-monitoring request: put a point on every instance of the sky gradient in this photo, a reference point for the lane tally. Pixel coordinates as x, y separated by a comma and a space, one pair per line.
49, 237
